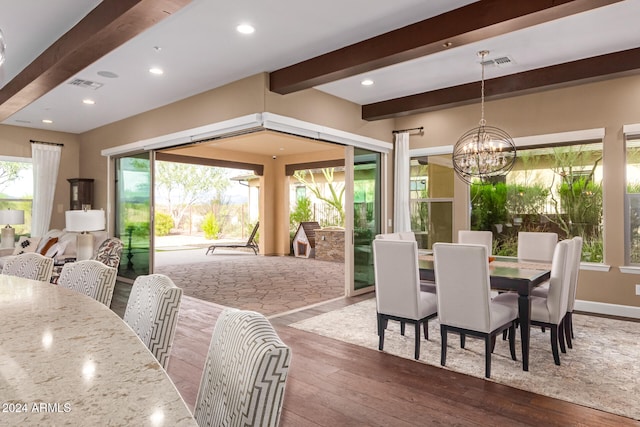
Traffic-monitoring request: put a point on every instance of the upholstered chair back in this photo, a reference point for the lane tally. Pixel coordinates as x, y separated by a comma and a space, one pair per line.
464, 289
477, 237
397, 278
403, 235
29, 265
91, 278
575, 272
109, 252
536, 246
152, 312
559, 283
245, 373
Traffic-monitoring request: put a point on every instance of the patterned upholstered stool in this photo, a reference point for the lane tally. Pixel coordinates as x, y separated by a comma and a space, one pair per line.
244, 374
152, 312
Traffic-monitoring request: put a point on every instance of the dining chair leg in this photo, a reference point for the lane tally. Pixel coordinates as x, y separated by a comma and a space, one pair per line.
561, 336
417, 334
487, 354
381, 323
554, 345
512, 341
443, 348
425, 329
463, 338
568, 329
493, 343
571, 324
402, 328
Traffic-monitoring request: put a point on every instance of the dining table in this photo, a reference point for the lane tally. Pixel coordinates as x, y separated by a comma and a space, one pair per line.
506, 274
66, 359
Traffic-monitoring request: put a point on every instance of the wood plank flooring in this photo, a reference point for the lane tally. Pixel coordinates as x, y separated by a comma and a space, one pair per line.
332, 383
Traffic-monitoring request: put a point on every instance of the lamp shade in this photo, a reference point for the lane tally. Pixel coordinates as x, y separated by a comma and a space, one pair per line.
11, 216
81, 220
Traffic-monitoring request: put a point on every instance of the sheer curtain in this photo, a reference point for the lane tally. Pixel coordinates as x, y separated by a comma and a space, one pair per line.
46, 160
401, 214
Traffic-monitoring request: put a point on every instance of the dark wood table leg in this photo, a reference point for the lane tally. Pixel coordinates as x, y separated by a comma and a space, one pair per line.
524, 313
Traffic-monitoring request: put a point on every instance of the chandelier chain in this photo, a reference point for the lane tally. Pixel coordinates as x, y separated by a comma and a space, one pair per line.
483, 122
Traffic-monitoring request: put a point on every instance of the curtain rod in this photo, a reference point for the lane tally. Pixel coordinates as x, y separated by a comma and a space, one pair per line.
47, 143
420, 129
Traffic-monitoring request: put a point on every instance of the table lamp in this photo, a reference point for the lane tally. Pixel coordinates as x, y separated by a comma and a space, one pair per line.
84, 221
10, 216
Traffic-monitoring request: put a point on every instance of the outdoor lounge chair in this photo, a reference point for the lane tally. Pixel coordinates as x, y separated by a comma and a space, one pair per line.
250, 243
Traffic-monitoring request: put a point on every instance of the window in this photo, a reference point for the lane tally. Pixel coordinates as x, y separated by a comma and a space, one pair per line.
632, 214
16, 189
556, 189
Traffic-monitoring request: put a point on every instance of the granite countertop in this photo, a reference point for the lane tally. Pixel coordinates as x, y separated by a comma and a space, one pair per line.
66, 359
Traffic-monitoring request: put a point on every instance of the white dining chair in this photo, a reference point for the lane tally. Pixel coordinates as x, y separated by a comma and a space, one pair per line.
464, 299
543, 291
397, 287
425, 285
550, 312
245, 373
29, 265
91, 278
152, 312
400, 235
477, 237
536, 245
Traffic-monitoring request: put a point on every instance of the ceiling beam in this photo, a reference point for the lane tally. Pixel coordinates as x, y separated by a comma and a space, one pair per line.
626, 62
106, 27
477, 21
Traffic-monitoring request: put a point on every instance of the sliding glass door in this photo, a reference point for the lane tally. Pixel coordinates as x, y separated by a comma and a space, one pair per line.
133, 219
364, 206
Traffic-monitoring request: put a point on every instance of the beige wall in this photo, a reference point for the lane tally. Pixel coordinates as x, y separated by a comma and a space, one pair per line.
608, 105
15, 141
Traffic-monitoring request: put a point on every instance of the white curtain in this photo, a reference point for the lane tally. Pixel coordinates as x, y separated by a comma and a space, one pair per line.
401, 214
46, 160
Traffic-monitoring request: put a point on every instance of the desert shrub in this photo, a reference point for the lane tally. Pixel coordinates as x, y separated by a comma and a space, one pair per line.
210, 226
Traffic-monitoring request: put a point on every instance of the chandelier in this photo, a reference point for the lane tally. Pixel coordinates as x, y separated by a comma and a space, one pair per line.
483, 152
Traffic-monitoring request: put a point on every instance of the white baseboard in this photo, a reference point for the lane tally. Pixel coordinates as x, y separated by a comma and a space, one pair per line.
608, 309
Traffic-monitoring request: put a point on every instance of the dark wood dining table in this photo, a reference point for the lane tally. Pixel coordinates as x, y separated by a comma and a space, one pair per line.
507, 274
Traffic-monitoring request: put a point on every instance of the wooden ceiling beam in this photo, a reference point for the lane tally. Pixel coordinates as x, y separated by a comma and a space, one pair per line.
474, 22
597, 68
106, 27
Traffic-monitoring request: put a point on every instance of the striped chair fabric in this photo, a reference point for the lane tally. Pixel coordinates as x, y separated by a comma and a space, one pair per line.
109, 252
152, 312
244, 374
89, 277
29, 265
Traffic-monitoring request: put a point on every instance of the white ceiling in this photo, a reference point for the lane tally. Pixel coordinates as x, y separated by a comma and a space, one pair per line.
200, 50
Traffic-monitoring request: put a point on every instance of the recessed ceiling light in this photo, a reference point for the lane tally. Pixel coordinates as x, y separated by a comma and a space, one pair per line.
245, 29
366, 82
108, 74
156, 71
88, 101
47, 121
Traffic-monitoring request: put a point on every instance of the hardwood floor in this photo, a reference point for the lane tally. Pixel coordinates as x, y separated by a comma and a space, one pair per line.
332, 383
